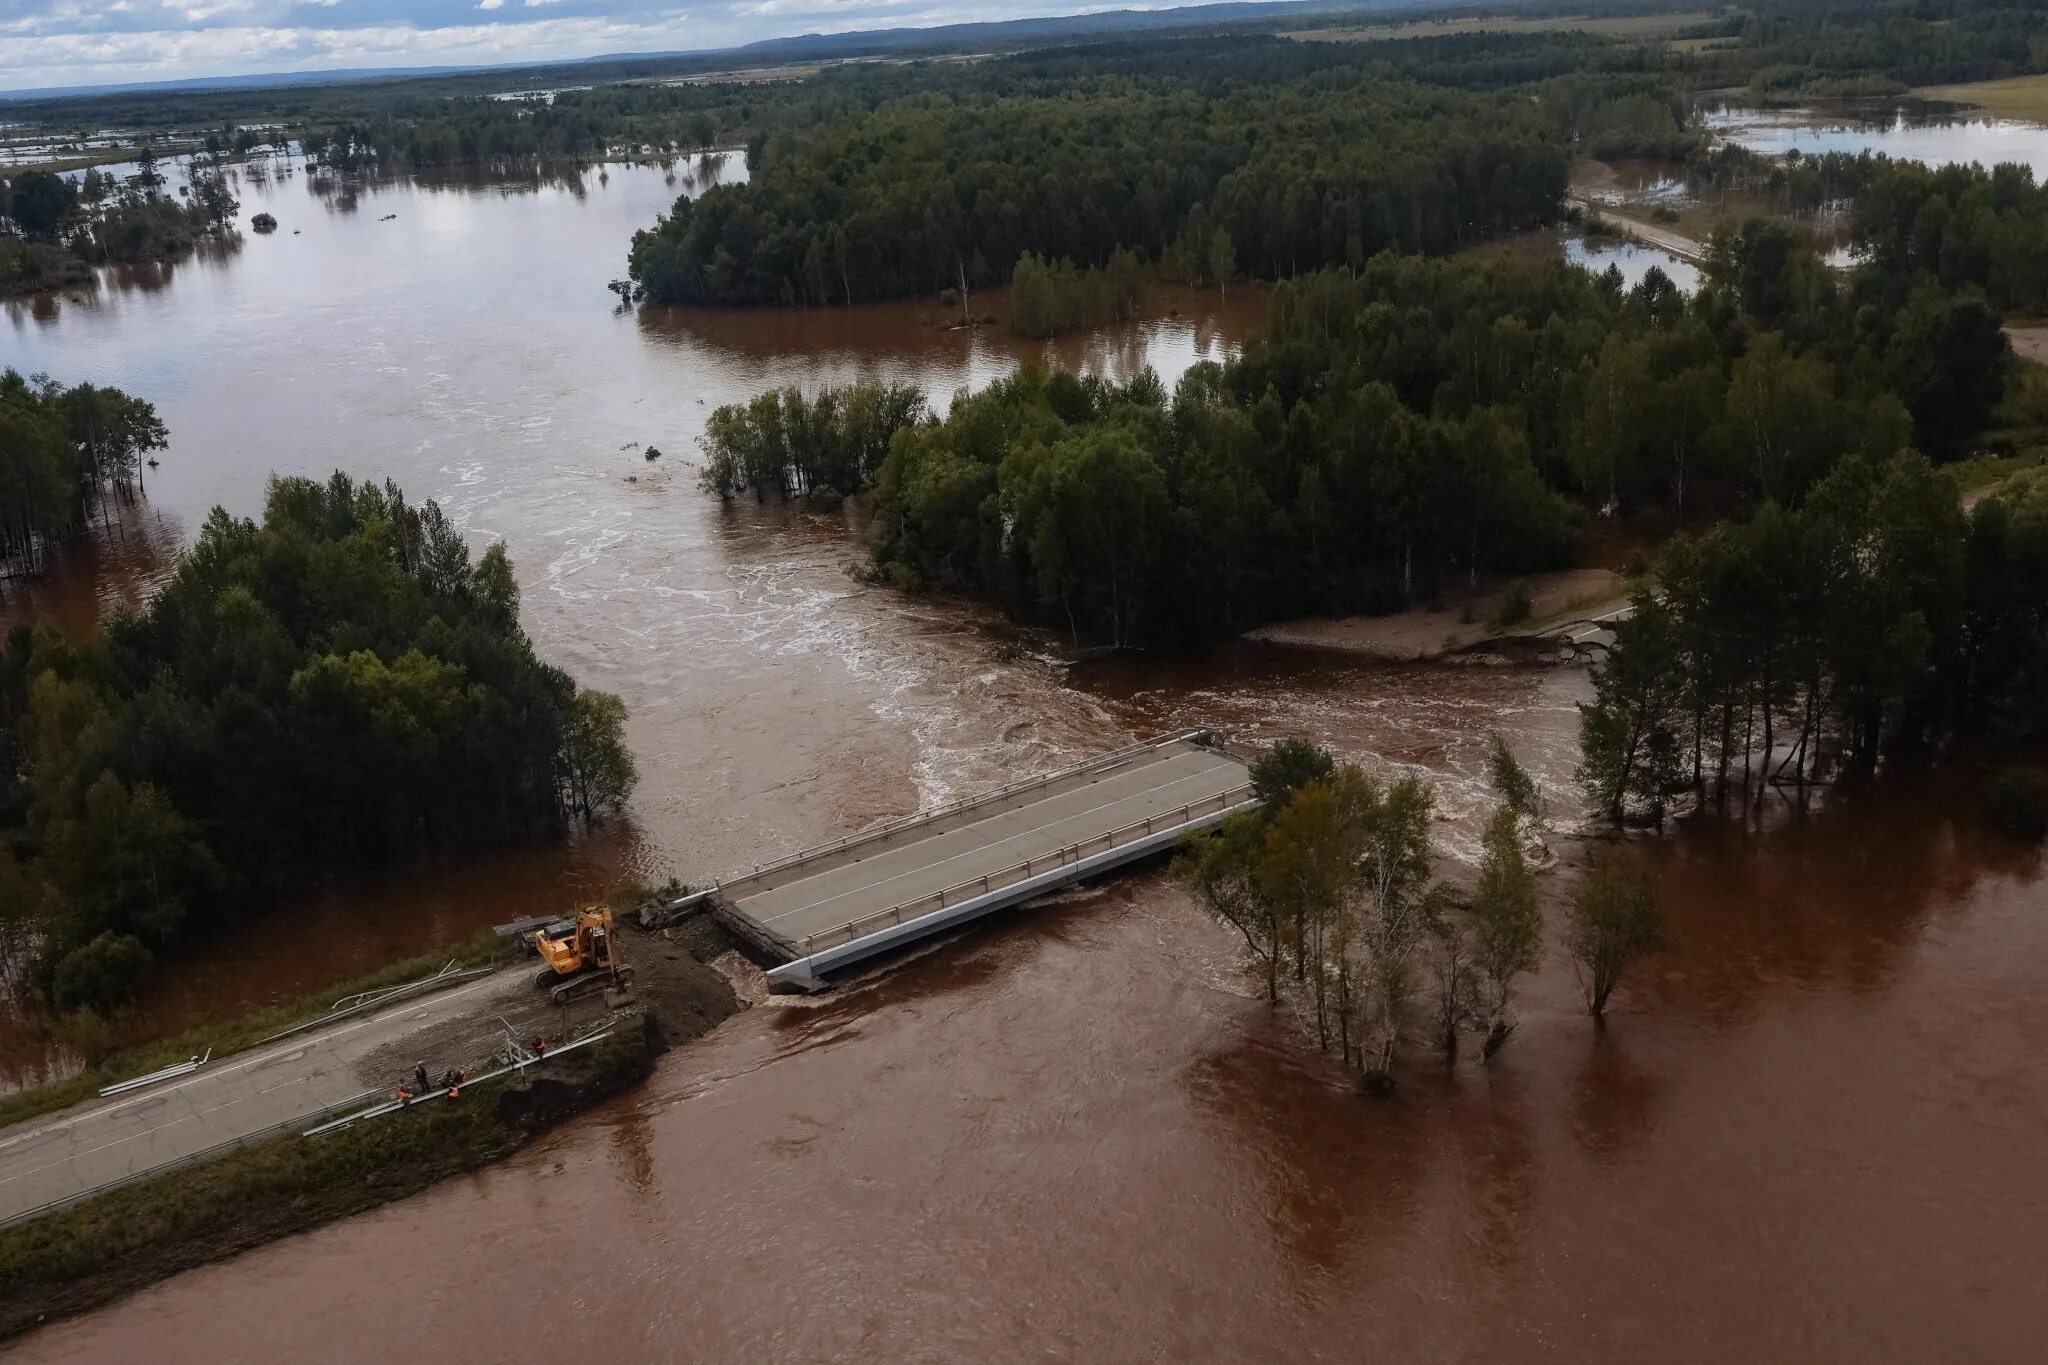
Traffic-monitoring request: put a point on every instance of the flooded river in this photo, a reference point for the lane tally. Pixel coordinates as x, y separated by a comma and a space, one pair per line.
1810, 1131
459, 340
1934, 134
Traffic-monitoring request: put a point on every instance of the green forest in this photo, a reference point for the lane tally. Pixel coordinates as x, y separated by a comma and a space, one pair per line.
1294, 174
338, 687
1399, 432
1875, 614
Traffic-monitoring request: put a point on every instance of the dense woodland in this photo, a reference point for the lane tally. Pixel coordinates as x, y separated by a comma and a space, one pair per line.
1398, 433
336, 688
1806, 641
1816, 48
1266, 179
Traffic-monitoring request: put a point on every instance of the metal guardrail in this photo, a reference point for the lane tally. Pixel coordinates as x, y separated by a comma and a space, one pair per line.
1030, 867
392, 1106
383, 993
180, 1163
176, 1069
447, 976
896, 826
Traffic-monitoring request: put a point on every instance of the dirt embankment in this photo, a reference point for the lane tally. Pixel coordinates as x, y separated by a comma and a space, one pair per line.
1435, 633
684, 978
85, 1256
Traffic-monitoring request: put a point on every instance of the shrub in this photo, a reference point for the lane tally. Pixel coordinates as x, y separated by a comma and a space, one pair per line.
102, 975
1516, 609
2016, 802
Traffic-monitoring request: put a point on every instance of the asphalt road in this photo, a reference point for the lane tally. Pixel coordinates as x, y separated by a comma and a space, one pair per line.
231, 1097
959, 853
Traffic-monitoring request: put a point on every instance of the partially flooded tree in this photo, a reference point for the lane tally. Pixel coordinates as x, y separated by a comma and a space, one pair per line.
1397, 908
1614, 921
1454, 970
1505, 921
1511, 781
1222, 871
598, 769
1308, 874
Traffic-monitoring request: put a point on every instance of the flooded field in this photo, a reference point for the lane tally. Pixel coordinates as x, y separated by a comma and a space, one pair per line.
1932, 134
1810, 1130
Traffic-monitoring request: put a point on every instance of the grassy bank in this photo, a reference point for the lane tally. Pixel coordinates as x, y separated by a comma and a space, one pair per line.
89, 1254
2023, 97
108, 1063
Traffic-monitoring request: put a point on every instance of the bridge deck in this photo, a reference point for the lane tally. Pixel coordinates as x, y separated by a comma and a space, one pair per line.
844, 893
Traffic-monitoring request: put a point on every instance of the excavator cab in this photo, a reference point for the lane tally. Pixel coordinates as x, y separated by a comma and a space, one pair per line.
573, 947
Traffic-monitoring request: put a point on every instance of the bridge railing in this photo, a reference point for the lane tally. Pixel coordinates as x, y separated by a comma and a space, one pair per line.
896, 826
1030, 867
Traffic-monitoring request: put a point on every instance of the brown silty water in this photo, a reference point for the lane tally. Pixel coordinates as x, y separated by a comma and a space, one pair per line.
1810, 1131
468, 350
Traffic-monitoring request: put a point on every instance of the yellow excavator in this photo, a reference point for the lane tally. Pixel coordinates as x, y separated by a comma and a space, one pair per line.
577, 950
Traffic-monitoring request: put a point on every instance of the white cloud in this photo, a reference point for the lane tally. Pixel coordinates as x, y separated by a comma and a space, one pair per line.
85, 42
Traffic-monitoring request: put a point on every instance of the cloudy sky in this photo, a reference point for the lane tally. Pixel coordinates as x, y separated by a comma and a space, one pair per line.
97, 42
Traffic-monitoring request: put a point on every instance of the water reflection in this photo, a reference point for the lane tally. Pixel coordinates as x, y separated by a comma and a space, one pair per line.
1614, 1102
1332, 1209
924, 342
1631, 260
114, 570
1837, 899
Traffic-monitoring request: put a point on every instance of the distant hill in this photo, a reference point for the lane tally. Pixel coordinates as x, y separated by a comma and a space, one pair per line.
809, 47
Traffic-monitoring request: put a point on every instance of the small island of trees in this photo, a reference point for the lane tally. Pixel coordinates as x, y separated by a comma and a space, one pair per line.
337, 687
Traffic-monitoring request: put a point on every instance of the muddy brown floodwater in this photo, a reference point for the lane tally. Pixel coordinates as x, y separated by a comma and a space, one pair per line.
1811, 1130
466, 348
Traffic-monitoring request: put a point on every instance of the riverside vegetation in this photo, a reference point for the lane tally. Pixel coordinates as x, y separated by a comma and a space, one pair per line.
53, 231
337, 687
1331, 883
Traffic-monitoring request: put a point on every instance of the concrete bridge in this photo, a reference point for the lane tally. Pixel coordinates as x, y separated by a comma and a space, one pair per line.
831, 906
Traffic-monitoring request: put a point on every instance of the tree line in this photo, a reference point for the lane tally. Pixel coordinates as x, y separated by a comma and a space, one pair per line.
338, 687
1305, 155
1852, 47
1804, 642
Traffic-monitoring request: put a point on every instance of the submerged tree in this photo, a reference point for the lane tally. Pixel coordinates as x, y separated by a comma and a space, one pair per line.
1505, 921
1613, 922
1223, 872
